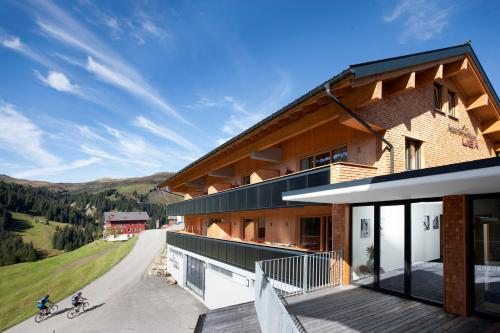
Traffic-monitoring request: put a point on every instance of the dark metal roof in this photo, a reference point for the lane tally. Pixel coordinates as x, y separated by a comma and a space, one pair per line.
125, 216
359, 71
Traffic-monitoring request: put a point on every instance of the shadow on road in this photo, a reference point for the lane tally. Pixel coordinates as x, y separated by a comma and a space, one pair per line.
90, 309
61, 311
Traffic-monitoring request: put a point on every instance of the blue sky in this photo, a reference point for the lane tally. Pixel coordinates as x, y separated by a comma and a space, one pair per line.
93, 89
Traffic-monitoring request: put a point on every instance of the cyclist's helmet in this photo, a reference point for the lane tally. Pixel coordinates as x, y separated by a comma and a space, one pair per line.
79, 293
46, 296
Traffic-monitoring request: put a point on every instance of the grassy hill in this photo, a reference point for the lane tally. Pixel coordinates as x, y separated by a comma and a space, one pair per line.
21, 285
40, 234
127, 186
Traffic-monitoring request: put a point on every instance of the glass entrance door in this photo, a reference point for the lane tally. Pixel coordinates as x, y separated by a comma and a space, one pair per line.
486, 257
391, 266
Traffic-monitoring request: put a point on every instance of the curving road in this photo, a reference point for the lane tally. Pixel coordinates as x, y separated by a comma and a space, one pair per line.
126, 299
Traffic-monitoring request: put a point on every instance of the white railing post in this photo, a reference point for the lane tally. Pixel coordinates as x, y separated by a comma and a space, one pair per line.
305, 274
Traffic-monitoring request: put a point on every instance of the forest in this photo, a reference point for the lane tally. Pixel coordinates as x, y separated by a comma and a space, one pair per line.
81, 211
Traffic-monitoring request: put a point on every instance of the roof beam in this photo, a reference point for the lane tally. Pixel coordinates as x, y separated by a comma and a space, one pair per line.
271, 154
197, 183
456, 67
363, 95
477, 102
399, 85
430, 75
491, 127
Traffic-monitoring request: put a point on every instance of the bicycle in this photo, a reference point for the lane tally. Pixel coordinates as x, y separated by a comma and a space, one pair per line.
46, 313
81, 306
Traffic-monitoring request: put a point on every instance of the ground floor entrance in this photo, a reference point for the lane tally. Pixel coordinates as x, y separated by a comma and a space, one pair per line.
195, 276
397, 247
485, 253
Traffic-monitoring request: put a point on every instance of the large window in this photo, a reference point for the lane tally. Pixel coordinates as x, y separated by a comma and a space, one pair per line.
427, 251
486, 258
334, 156
310, 232
438, 102
363, 246
413, 154
339, 154
451, 104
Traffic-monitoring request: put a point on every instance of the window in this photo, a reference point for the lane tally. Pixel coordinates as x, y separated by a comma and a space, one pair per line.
245, 180
310, 228
325, 158
339, 155
412, 152
306, 163
451, 104
322, 159
437, 97
261, 233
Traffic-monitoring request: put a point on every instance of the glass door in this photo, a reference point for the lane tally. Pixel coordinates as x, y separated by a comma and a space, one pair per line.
391, 263
486, 256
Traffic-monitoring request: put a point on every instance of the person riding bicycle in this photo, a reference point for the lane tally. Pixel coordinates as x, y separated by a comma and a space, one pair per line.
41, 305
77, 299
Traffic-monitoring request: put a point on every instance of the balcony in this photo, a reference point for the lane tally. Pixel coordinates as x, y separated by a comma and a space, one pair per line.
263, 195
238, 254
268, 194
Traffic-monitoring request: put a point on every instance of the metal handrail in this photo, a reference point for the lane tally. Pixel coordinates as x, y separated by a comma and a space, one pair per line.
301, 274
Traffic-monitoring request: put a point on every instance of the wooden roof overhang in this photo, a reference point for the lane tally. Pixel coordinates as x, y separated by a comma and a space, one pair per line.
357, 86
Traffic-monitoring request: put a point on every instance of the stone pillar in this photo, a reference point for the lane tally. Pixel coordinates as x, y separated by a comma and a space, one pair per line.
340, 218
455, 255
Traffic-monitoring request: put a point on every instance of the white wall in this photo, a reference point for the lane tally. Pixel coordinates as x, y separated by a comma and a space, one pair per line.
175, 264
221, 290
425, 243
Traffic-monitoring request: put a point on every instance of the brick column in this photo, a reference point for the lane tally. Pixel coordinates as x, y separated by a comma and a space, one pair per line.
455, 256
340, 218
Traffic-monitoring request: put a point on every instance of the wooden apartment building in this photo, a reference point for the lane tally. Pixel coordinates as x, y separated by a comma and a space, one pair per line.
351, 171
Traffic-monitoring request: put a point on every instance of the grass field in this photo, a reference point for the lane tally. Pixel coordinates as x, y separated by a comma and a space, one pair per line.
40, 234
21, 285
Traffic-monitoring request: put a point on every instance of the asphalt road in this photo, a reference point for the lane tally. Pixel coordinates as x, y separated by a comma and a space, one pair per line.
126, 299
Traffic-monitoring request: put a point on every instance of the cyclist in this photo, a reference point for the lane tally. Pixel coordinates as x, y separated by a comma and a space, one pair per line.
77, 299
41, 305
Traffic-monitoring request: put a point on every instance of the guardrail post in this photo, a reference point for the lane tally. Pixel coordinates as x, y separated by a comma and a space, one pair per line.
305, 273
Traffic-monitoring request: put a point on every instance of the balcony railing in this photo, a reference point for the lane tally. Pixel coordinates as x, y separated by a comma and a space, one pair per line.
238, 254
263, 195
278, 278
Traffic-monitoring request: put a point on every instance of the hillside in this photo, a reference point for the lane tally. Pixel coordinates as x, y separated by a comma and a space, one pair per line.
137, 187
60, 276
40, 234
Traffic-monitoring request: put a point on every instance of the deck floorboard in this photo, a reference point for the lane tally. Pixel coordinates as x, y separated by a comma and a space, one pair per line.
351, 309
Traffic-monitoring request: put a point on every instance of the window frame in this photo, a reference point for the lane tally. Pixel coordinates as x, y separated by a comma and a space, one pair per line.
301, 231
330, 152
438, 97
243, 183
418, 154
452, 103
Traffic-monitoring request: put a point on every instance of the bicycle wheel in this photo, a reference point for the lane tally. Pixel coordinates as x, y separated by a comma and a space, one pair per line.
85, 306
38, 318
54, 308
71, 314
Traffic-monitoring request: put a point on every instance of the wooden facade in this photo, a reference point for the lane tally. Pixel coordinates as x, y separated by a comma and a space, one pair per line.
398, 101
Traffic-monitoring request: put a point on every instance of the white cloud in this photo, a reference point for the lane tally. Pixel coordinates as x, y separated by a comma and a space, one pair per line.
19, 135
57, 168
120, 80
15, 44
88, 133
423, 19
164, 132
242, 117
58, 81
101, 60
